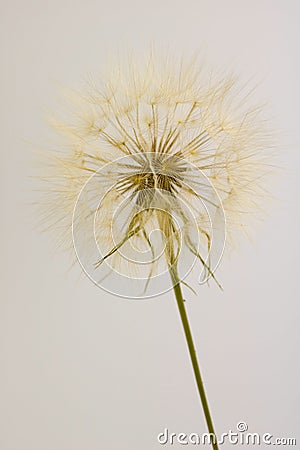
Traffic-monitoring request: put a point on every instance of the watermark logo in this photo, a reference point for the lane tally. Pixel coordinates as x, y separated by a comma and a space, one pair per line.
119, 226
240, 436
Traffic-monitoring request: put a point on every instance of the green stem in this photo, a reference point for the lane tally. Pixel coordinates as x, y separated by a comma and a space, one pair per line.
193, 356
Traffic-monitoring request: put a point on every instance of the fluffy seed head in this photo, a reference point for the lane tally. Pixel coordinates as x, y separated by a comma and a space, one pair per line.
155, 158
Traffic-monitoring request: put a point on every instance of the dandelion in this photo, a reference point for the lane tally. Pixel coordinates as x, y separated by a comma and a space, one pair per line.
159, 157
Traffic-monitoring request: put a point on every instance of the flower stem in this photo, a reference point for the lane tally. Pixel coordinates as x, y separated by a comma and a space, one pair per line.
193, 356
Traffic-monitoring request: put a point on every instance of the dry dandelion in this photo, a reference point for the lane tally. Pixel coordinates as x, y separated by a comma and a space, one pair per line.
158, 159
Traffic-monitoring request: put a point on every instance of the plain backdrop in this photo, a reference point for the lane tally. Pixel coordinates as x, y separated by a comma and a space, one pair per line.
82, 369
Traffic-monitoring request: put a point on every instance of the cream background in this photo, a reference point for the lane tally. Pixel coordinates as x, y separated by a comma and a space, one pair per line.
81, 369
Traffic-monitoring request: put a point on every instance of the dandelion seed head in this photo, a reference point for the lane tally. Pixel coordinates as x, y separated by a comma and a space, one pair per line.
154, 160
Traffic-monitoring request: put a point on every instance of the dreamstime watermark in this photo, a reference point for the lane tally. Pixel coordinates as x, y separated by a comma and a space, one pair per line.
124, 260
241, 436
